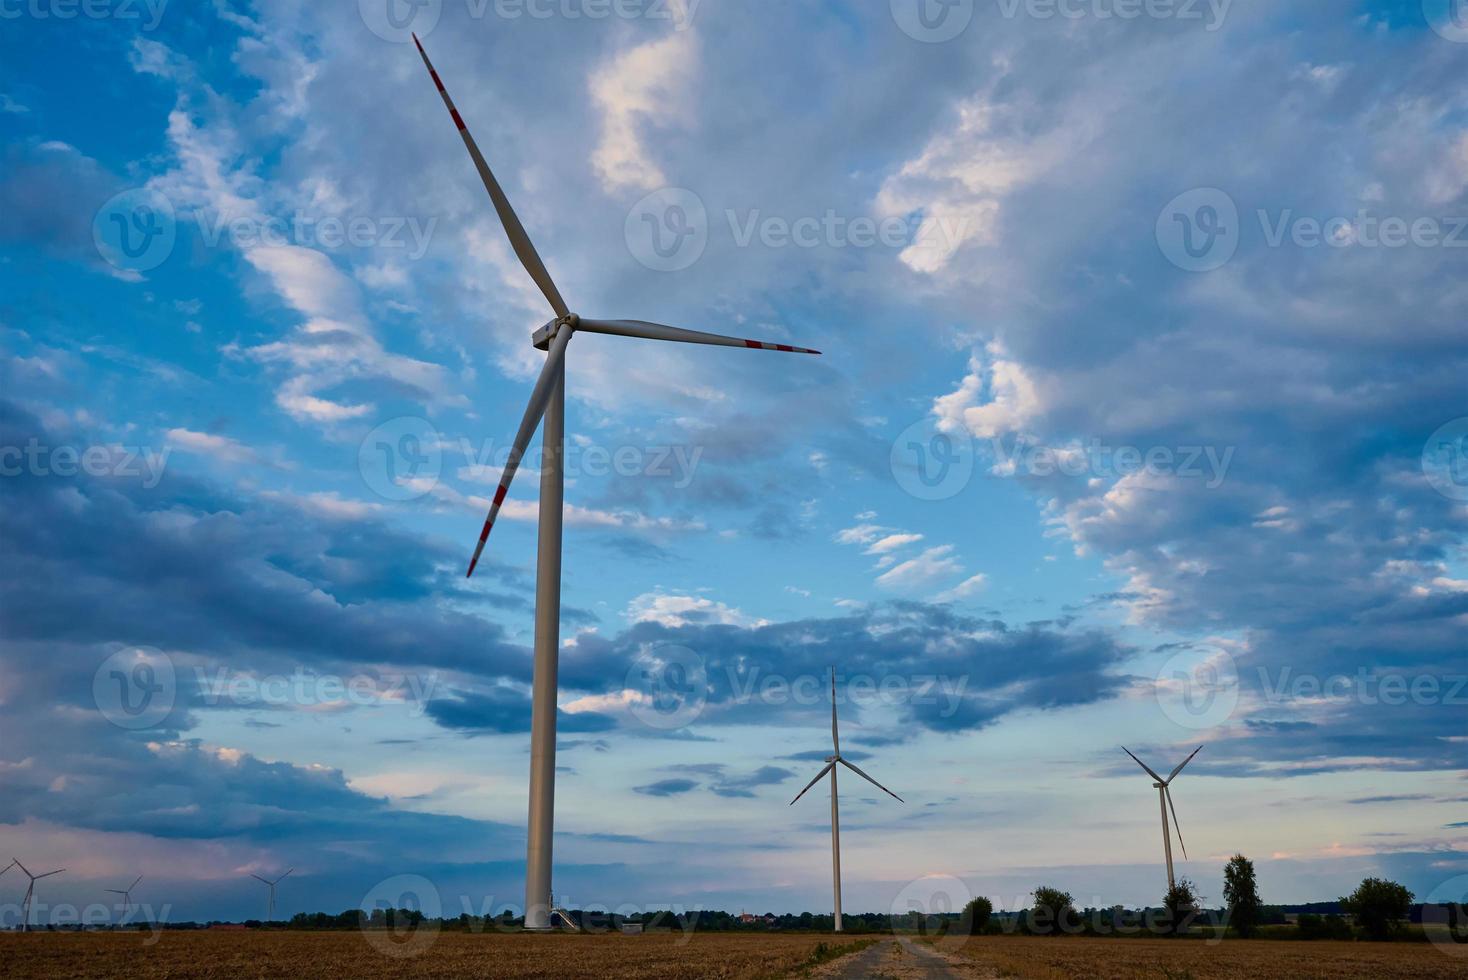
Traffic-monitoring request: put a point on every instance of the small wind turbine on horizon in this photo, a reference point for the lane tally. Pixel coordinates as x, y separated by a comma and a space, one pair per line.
548, 402
127, 896
270, 905
30, 892
1164, 793
831, 763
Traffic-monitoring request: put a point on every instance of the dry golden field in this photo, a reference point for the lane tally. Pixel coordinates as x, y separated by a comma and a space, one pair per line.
350, 955
1131, 959
342, 955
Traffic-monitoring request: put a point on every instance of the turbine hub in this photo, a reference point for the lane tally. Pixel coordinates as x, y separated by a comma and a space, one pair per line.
542, 338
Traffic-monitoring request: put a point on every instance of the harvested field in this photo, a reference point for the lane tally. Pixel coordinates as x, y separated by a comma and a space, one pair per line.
349, 955
343, 955
1132, 959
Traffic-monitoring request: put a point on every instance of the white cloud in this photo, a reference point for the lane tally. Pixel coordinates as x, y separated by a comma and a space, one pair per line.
929, 567
964, 590
994, 400
222, 448
682, 610
643, 88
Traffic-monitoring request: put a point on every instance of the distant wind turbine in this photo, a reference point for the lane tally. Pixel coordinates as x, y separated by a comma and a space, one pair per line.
1164, 794
548, 402
270, 906
127, 896
831, 762
30, 892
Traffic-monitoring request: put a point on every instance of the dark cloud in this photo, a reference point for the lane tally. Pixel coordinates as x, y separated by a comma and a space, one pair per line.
667, 787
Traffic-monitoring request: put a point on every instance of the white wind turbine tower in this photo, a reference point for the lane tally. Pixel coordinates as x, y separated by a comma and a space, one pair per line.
270, 905
831, 762
1164, 794
30, 892
548, 401
127, 896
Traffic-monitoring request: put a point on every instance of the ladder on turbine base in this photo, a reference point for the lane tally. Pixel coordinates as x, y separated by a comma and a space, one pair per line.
558, 912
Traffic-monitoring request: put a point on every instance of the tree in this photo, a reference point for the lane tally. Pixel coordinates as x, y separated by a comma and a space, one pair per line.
1052, 913
1181, 903
1241, 891
976, 916
1380, 906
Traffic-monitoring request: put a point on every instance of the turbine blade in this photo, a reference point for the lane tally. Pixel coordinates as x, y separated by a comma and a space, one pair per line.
22, 868
1180, 765
284, 876
260, 879
539, 398
872, 781
135, 883
829, 767
1167, 791
519, 240
50, 873
114, 891
658, 331
1143, 765
835, 738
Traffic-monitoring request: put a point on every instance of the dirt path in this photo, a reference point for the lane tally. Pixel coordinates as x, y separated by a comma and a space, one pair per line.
898, 961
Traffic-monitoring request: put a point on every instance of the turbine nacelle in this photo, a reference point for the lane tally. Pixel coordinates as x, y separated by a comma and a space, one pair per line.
541, 339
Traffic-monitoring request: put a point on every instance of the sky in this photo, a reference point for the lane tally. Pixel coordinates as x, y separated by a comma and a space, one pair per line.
1140, 421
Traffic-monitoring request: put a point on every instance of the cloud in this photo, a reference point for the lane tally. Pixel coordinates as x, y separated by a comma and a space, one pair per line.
640, 92
667, 787
927, 568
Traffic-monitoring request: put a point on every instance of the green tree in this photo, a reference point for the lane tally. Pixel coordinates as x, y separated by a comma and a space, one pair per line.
1053, 912
1241, 891
976, 916
1380, 906
1181, 903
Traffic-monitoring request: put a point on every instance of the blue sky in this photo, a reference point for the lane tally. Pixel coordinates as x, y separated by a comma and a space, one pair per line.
1136, 424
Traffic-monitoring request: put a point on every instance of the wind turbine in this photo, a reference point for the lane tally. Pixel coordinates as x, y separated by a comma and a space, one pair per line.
831, 762
30, 892
270, 906
548, 402
1164, 794
127, 896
